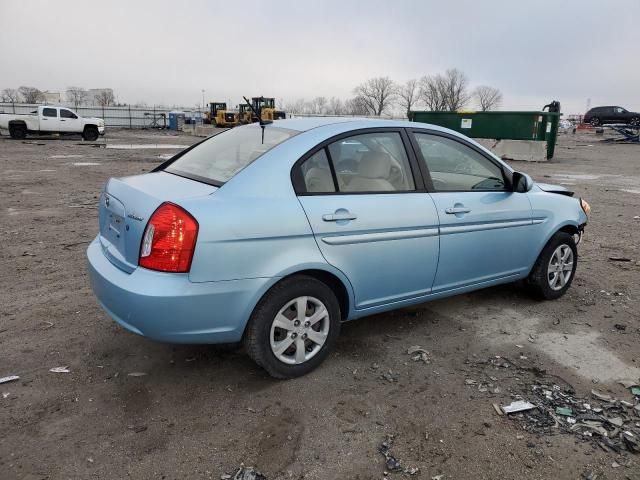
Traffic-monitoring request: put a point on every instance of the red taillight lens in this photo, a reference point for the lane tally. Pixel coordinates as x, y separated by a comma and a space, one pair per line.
169, 240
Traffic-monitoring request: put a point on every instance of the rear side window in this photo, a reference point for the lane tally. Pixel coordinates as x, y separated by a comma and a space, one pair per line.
372, 162
317, 174
49, 112
219, 158
66, 114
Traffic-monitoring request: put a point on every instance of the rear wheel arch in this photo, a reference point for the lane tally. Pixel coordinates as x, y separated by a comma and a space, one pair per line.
335, 284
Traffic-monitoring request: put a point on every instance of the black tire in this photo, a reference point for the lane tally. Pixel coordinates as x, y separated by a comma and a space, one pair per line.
635, 122
595, 122
17, 131
90, 133
258, 332
538, 281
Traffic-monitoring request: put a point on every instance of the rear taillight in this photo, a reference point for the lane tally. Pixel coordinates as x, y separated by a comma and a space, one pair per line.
169, 240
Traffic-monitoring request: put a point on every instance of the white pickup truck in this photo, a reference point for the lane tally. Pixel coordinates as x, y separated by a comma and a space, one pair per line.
50, 119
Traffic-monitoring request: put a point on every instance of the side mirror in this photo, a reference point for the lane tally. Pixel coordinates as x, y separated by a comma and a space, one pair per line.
522, 182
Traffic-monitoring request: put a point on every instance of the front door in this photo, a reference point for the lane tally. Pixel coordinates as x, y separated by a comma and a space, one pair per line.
369, 219
69, 121
485, 228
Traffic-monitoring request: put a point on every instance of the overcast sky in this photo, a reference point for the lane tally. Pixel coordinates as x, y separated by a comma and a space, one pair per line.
168, 51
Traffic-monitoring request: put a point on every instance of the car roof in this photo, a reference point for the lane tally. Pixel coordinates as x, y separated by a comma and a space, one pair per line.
303, 124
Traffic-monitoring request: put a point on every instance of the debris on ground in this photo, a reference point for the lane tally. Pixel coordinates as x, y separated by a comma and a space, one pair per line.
244, 473
389, 376
137, 374
391, 463
10, 378
545, 404
517, 406
6, 394
619, 259
419, 354
60, 370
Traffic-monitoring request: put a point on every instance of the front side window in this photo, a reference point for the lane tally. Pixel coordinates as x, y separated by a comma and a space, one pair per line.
67, 113
219, 158
49, 112
371, 162
456, 167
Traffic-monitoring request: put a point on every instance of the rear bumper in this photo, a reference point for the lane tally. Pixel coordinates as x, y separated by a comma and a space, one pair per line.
168, 307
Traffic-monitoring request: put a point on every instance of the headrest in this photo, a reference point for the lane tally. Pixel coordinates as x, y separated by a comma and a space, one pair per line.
375, 165
319, 180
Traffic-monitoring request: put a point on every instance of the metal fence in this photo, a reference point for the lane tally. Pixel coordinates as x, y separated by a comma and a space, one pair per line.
118, 117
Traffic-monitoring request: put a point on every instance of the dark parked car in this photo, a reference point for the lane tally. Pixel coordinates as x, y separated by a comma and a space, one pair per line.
601, 115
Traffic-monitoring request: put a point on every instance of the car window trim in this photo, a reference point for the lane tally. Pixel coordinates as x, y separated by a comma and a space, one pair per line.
507, 173
300, 187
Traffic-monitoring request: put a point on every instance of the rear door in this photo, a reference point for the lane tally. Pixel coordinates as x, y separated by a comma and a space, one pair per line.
69, 121
49, 120
370, 214
485, 228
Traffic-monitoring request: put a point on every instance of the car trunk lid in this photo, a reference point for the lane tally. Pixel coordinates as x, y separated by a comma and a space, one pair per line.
126, 204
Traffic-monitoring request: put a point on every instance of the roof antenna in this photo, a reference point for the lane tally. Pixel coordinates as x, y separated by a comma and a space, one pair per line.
258, 114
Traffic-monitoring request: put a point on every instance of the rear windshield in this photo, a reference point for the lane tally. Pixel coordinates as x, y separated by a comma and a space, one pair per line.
219, 158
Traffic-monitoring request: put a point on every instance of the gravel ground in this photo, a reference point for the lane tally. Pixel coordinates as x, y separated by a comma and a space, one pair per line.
200, 411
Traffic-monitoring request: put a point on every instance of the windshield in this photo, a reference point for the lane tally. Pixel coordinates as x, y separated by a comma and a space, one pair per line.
219, 158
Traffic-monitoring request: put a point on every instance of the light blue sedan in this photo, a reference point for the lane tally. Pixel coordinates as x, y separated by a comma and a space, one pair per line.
275, 234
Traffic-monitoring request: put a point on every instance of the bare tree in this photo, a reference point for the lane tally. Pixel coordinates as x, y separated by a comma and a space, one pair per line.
488, 98
356, 106
76, 95
30, 94
10, 95
456, 89
431, 92
295, 107
320, 105
104, 98
408, 95
335, 107
376, 94
445, 92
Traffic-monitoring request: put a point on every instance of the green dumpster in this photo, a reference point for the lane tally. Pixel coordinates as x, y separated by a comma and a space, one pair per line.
530, 126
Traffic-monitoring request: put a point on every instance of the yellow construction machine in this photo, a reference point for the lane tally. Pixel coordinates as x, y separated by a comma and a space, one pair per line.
266, 108
220, 117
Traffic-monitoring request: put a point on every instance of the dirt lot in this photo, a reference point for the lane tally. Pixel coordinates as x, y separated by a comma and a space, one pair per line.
200, 411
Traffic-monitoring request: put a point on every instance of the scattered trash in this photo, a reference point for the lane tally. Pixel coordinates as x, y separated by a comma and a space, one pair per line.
564, 411
60, 370
137, 374
10, 378
437, 477
619, 259
601, 396
620, 327
244, 473
419, 354
518, 406
389, 376
629, 383
138, 428
546, 404
6, 394
392, 464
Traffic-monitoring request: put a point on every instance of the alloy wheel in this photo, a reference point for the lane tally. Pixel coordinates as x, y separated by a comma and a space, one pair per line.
560, 267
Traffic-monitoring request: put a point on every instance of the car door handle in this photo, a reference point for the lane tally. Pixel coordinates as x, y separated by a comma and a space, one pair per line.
336, 217
454, 210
